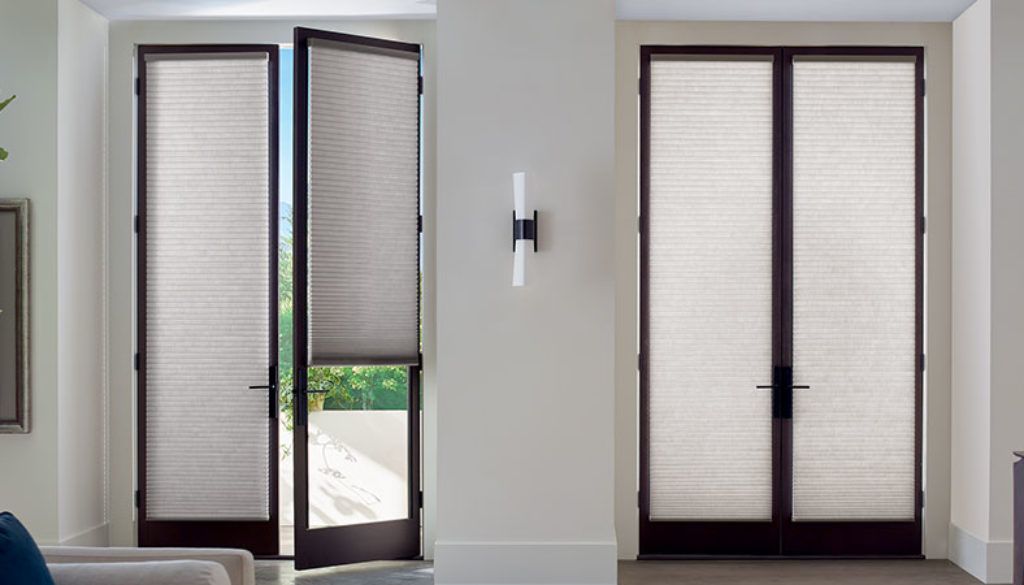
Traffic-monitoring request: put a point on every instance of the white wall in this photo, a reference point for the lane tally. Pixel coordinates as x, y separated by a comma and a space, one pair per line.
525, 445
936, 39
81, 197
1007, 257
972, 277
54, 58
988, 283
124, 36
28, 129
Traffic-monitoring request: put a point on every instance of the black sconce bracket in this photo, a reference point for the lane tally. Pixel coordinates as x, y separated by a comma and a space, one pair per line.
524, 229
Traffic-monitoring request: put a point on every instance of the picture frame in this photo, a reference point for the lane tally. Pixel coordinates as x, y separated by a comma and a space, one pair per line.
15, 391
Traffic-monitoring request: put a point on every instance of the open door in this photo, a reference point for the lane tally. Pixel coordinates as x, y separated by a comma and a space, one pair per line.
356, 277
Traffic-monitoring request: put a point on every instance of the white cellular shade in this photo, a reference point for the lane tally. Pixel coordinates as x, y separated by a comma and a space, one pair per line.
363, 205
854, 298
710, 289
207, 311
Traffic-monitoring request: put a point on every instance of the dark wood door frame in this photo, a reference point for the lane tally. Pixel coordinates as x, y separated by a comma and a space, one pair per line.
781, 537
259, 537
396, 539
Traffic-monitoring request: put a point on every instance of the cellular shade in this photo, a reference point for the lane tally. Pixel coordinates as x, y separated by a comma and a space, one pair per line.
854, 296
363, 190
710, 289
207, 275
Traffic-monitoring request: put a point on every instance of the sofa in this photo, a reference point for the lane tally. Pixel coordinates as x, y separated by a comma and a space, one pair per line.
149, 566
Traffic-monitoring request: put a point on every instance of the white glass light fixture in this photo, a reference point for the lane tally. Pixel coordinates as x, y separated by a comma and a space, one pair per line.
524, 229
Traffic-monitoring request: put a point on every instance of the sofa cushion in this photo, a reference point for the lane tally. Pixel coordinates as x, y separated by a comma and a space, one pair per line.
21, 563
147, 573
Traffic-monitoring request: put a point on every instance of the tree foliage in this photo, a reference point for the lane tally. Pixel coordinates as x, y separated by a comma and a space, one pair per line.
348, 388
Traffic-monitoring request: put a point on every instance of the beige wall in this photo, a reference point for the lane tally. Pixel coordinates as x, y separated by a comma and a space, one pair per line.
525, 442
28, 129
988, 283
124, 36
936, 38
81, 194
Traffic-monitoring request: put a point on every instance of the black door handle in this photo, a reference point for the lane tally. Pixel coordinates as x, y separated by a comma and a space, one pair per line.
782, 391
272, 386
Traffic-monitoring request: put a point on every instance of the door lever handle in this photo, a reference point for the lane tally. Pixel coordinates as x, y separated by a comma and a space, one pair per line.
263, 387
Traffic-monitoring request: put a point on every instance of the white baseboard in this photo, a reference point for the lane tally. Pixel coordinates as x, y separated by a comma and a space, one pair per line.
95, 536
989, 562
525, 563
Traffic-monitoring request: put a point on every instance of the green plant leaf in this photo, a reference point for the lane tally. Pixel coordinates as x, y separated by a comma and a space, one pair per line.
4, 103
3, 154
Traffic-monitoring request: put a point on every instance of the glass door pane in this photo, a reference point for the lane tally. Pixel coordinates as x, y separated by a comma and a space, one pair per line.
854, 289
709, 288
358, 445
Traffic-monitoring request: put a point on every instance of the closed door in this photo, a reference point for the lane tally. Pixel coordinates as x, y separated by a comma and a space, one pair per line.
781, 245
207, 296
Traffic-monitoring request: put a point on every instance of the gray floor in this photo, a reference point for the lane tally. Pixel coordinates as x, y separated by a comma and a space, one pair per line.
659, 573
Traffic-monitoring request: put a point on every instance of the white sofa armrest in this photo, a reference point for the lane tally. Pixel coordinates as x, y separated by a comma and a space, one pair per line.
239, 564
145, 573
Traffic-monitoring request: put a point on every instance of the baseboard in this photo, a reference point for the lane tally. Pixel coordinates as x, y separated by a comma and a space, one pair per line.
525, 563
95, 536
988, 562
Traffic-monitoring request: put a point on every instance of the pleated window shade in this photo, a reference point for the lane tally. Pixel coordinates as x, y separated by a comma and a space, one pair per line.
854, 296
207, 210
363, 195
710, 289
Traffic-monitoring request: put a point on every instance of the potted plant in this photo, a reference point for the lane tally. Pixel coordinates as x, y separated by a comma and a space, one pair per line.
3, 104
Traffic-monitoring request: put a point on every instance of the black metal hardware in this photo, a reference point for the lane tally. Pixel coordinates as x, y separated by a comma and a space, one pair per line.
782, 391
524, 229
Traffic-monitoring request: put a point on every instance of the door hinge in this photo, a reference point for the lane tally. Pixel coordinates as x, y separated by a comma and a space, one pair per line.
640, 362
419, 84
421, 499
419, 224
137, 359
924, 89
924, 224
922, 498
136, 498
924, 364
136, 224
640, 224
138, 86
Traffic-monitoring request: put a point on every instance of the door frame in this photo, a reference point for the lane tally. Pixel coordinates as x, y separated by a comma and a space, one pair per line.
337, 545
659, 539
704, 539
259, 537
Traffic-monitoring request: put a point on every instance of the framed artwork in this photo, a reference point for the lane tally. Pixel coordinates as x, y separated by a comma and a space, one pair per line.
14, 316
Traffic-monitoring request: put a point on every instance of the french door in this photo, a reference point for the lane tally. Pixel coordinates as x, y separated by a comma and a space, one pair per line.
207, 296
781, 301
357, 277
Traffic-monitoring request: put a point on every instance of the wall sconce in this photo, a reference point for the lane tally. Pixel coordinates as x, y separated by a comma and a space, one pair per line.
523, 229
